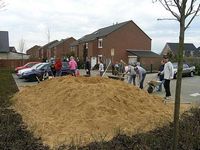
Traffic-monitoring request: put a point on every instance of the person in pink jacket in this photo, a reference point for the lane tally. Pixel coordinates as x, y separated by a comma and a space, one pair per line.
72, 66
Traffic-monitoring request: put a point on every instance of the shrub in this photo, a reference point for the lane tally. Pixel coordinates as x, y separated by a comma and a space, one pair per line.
197, 69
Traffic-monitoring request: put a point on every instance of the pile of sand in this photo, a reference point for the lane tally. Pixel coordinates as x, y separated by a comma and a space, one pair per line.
86, 109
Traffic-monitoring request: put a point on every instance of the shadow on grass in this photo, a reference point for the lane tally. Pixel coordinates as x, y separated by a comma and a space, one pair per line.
13, 133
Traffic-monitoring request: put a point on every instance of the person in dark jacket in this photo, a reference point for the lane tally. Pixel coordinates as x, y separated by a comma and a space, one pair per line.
161, 76
53, 70
88, 66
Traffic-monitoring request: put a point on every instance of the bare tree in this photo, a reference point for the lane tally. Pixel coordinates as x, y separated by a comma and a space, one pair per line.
21, 48
48, 35
48, 38
2, 4
184, 11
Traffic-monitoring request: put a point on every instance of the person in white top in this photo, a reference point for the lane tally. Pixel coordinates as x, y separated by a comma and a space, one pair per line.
101, 68
131, 73
141, 72
168, 75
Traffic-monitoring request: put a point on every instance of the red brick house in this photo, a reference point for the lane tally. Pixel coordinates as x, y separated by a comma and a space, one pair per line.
43, 50
34, 51
112, 42
60, 49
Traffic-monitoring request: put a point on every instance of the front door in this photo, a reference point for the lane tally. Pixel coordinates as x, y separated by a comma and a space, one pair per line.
93, 61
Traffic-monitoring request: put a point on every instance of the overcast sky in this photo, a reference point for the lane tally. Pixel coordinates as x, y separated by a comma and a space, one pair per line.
31, 19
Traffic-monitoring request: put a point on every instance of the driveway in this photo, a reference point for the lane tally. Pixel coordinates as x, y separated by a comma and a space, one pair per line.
21, 82
190, 91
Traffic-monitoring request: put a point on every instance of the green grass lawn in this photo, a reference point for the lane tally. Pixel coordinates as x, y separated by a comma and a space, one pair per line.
13, 133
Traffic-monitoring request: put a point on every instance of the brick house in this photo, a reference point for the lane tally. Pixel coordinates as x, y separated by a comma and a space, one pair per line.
148, 59
43, 50
34, 51
112, 42
60, 49
172, 49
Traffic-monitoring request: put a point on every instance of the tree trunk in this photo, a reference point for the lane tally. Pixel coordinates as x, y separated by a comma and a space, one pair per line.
179, 78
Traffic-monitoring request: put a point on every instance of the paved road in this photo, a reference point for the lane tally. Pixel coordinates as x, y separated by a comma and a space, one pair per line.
190, 85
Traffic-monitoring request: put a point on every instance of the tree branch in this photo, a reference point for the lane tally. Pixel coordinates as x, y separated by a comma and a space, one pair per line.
190, 9
2, 4
167, 7
166, 19
177, 4
195, 14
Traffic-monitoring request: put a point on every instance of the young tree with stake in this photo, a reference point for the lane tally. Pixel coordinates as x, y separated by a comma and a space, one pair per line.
184, 11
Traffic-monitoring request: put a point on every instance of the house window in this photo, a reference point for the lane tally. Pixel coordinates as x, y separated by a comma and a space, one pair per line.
100, 43
86, 45
72, 49
192, 53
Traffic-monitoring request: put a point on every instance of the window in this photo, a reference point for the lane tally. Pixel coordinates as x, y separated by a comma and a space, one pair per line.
72, 49
191, 53
86, 45
100, 43
185, 66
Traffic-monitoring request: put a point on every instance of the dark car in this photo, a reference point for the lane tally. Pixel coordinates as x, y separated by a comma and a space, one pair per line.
187, 70
65, 68
35, 74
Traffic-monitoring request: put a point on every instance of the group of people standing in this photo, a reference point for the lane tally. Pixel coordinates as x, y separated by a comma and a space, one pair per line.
88, 67
56, 67
134, 71
165, 74
118, 67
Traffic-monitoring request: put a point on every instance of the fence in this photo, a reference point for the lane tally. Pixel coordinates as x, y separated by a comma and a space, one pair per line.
13, 63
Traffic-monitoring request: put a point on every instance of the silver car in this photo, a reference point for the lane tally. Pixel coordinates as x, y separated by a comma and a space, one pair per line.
187, 70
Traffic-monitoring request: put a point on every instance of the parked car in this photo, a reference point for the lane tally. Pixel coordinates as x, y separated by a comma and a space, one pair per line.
187, 70
20, 72
65, 68
38, 72
27, 65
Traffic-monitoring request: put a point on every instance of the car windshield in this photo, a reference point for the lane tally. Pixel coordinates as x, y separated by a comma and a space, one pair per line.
36, 66
42, 66
175, 66
64, 65
31, 64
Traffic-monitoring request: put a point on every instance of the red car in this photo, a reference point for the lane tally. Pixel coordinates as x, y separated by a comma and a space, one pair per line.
27, 65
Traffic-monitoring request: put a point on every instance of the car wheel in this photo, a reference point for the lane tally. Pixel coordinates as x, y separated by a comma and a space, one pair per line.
191, 74
150, 89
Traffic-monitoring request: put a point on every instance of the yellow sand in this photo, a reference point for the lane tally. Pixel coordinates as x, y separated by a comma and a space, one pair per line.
81, 109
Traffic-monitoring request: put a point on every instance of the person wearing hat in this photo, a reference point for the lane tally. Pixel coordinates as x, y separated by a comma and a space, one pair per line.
141, 72
168, 75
